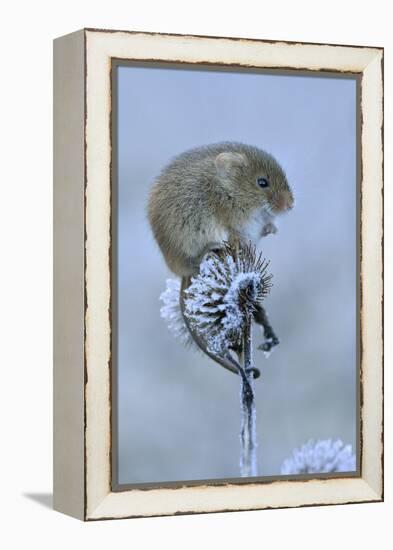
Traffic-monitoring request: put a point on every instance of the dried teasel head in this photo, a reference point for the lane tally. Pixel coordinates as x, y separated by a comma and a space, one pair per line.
322, 456
171, 313
231, 283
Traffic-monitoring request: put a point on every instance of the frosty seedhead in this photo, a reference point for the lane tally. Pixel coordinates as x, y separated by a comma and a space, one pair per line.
322, 456
230, 286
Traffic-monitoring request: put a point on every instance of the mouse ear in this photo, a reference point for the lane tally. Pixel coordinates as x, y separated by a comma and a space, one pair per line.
227, 161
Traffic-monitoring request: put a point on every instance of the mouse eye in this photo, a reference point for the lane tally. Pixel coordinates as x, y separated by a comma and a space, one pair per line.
262, 182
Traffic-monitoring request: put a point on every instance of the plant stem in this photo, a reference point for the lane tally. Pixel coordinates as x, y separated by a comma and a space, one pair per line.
248, 457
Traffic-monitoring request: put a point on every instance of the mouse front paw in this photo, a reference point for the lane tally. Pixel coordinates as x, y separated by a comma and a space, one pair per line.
268, 229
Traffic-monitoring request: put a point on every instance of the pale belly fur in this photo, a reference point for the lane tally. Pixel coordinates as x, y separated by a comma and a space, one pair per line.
253, 229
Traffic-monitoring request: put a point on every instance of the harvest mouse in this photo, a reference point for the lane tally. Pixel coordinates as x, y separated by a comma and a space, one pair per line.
226, 191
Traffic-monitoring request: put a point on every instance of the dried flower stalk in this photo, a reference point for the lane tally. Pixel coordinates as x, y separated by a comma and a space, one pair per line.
221, 302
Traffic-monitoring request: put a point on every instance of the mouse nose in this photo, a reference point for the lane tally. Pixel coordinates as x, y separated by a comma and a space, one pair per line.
284, 201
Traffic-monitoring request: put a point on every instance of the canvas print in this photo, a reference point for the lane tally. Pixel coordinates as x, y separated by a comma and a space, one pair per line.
235, 331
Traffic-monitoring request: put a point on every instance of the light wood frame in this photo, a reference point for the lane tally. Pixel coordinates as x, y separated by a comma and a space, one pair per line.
82, 258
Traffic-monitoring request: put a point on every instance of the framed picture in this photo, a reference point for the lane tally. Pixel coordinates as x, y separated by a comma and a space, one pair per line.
218, 233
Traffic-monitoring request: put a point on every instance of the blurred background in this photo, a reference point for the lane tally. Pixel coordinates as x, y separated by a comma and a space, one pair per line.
178, 412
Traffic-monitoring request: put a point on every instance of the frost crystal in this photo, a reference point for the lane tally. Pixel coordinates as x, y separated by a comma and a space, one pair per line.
230, 284
172, 314
323, 456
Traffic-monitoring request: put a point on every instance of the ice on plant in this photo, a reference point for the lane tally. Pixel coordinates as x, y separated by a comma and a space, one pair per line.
213, 304
322, 456
170, 311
